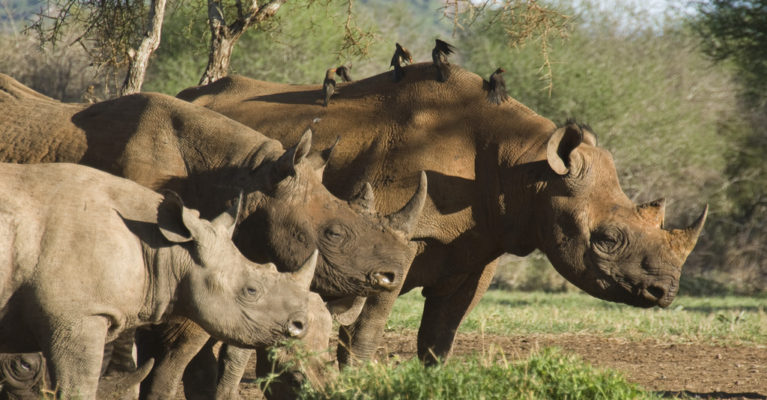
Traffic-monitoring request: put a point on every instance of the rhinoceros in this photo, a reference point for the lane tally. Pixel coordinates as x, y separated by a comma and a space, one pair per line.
23, 376
87, 255
162, 142
501, 179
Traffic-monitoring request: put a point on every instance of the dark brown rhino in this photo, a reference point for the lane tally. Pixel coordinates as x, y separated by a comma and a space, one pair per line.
501, 179
162, 142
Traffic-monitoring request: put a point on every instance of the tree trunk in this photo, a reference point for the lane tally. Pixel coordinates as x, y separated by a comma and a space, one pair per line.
140, 58
223, 37
221, 44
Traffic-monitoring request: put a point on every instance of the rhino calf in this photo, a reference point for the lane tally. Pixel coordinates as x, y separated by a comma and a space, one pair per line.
85, 255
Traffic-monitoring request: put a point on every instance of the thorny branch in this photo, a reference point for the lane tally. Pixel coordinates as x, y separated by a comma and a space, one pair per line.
523, 21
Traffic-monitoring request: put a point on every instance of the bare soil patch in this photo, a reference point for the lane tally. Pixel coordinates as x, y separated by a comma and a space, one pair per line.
695, 369
698, 370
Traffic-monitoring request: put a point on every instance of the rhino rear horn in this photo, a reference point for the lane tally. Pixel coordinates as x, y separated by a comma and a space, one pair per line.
364, 200
405, 220
305, 274
653, 212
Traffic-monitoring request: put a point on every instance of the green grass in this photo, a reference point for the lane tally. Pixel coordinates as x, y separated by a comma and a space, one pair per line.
545, 375
725, 320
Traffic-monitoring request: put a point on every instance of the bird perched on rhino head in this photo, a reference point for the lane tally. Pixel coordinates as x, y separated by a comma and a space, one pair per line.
328, 85
343, 72
439, 56
401, 55
496, 87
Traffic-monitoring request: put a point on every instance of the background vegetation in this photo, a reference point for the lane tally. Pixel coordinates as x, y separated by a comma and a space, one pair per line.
677, 102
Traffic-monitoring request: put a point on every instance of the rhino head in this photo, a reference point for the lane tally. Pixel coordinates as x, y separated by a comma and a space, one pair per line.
232, 298
359, 251
22, 375
596, 237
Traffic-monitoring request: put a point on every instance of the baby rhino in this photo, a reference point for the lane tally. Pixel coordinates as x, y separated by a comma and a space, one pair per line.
85, 255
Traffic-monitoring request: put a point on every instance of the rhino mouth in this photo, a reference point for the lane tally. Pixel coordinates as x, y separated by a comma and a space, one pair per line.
653, 294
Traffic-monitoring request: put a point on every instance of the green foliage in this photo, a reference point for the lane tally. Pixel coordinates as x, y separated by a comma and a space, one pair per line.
725, 319
106, 28
548, 374
736, 30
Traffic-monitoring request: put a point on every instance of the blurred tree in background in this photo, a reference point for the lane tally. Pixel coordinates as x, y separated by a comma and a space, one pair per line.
734, 34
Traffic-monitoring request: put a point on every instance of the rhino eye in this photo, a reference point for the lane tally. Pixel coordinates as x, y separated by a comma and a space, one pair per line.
250, 291
608, 240
334, 232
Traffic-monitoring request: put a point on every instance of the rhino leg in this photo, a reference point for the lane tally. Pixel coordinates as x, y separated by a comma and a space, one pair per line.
359, 341
444, 310
232, 362
75, 350
201, 373
180, 340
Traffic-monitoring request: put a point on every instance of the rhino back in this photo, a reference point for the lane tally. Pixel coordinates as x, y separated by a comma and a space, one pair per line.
68, 236
389, 131
35, 128
153, 139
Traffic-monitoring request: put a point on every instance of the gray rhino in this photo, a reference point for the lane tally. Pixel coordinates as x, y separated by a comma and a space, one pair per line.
501, 179
87, 255
162, 142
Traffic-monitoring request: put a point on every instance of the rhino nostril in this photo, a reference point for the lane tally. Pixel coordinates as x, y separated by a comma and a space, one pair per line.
656, 291
296, 328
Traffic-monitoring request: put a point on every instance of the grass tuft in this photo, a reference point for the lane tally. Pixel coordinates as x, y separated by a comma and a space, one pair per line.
548, 374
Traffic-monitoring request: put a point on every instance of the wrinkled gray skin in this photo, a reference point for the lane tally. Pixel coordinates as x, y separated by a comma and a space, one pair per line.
502, 179
162, 142
89, 255
24, 375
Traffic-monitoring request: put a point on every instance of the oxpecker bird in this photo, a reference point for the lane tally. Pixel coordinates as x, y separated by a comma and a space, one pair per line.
496, 87
439, 56
401, 55
343, 72
329, 85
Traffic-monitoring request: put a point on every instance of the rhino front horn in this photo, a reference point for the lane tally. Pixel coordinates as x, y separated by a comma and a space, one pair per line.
405, 220
305, 274
684, 240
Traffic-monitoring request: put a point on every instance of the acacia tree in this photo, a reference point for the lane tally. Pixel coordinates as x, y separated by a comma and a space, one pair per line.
522, 20
117, 34
223, 36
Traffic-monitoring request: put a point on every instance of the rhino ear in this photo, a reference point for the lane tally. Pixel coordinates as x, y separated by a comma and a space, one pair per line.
319, 159
228, 219
561, 143
170, 218
286, 164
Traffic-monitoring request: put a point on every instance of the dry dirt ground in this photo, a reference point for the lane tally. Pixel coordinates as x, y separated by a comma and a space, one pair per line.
697, 370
